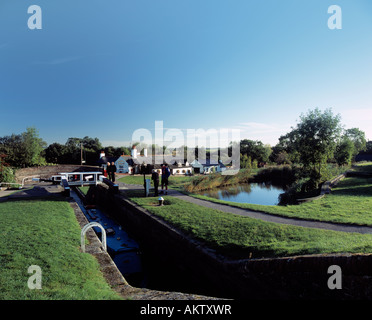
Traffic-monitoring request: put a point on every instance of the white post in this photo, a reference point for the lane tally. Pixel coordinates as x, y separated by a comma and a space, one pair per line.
147, 187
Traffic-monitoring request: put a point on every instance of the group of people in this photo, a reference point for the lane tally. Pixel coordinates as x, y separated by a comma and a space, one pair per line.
111, 169
165, 173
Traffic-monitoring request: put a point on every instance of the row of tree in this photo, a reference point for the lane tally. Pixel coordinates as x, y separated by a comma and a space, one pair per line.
23, 150
318, 138
28, 149
76, 149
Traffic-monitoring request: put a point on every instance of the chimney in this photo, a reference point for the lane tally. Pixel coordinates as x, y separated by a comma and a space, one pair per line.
134, 152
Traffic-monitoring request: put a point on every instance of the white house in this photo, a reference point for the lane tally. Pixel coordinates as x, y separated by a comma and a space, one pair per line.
181, 169
206, 166
133, 164
122, 165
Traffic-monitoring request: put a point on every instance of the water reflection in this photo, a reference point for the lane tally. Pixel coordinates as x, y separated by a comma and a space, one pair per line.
265, 193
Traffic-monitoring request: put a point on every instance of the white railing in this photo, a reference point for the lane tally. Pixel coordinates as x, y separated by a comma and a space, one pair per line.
30, 178
20, 185
85, 229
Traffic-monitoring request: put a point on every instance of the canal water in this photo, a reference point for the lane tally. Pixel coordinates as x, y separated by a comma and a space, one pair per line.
265, 193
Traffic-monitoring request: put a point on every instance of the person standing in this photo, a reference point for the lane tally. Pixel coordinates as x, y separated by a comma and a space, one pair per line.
108, 170
166, 177
113, 170
162, 178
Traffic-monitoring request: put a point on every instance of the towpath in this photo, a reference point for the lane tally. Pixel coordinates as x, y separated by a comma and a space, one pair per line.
259, 215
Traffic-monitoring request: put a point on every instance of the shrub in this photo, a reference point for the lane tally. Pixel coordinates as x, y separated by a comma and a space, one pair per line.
7, 175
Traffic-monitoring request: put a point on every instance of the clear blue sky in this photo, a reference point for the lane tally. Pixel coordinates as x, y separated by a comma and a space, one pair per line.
106, 68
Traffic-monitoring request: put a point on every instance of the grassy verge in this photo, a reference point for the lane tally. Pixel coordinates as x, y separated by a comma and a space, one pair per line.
175, 182
216, 180
46, 233
84, 190
243, 237
349, 202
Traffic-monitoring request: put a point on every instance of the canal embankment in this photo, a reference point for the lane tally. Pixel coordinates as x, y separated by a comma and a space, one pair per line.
41, 229
113, 275
177, 256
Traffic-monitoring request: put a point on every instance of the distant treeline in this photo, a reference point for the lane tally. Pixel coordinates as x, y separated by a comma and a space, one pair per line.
318, 140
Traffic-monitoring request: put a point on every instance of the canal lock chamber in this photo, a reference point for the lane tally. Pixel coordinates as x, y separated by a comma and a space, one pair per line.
158, 263
122, 248
167, 263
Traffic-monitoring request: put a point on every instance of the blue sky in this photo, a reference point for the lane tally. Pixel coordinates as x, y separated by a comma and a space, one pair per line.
107, 68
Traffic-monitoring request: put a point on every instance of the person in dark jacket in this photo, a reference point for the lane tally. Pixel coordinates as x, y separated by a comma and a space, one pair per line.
113, 170
108, 170
164, 178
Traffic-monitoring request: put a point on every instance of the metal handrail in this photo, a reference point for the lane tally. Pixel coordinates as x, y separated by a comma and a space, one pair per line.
85, 229
30, 177
19, 184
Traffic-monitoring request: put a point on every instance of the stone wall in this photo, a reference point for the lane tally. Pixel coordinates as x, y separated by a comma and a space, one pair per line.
177, 256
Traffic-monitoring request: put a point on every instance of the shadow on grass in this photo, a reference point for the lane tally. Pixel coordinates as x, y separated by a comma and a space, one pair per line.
354, 187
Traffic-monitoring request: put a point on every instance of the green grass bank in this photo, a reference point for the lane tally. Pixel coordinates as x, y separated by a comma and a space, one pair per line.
349, 202
242, 237
46, 233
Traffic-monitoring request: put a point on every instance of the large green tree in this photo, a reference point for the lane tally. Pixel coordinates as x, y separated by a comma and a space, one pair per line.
344, 151
56, 153
33, 147
86, 149
315, 139
358, 138
255, 149
23, 150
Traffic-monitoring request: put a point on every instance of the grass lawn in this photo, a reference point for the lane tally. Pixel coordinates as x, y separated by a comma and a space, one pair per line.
349, 202
46, 233
84, 190
243, 237
175, 182
236, 236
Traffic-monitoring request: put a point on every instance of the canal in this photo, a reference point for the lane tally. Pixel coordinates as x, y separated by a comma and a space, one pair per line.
140, 264
264, 193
